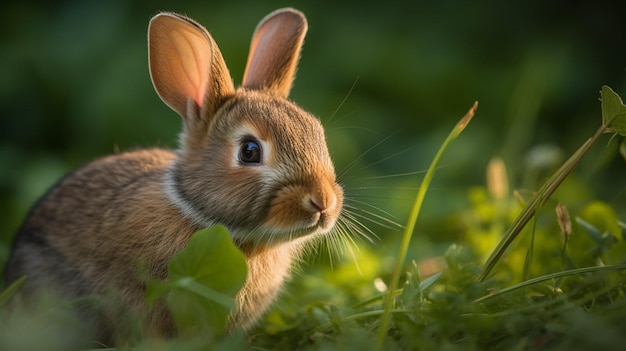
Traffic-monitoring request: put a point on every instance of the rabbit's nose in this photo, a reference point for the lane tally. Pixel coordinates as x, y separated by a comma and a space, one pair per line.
321, 200
316, 204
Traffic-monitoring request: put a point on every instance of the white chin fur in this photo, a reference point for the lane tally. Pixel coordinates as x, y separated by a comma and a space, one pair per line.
289, 234
185, 207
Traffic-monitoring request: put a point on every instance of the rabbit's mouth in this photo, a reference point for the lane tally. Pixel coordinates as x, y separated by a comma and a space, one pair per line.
323, 225
325, 222
301, 210
273, 233
320, 224
299, 223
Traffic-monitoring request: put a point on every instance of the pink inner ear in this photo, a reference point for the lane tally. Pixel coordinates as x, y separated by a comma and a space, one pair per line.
274, 51
189, 63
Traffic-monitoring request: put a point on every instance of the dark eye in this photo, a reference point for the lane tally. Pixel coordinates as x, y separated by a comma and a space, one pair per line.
250, 152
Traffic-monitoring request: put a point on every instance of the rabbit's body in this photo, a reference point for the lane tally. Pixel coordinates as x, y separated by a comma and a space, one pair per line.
250, 160
86, 253
94, 256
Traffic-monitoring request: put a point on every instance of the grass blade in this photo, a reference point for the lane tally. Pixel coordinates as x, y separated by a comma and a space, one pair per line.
408, 232
556, 275
10, 291
537, 202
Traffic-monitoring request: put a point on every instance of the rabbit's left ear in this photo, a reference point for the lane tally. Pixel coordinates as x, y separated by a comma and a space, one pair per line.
274, 52
186, 67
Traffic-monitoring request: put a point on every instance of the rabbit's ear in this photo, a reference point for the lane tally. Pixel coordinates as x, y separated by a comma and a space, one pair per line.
274, 51
186, 67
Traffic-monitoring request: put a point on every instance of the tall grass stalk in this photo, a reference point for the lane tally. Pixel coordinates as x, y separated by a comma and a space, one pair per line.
613, 120
410, 226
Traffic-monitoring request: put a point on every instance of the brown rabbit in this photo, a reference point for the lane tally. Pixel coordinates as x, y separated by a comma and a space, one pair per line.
249, 159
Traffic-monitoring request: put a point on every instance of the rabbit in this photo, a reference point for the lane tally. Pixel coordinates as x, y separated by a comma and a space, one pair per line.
249, 159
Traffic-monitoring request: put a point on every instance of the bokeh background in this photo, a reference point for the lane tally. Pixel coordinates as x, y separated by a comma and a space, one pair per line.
388, 79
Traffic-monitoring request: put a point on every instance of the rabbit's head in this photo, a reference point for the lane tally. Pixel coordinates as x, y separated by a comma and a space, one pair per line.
250, 159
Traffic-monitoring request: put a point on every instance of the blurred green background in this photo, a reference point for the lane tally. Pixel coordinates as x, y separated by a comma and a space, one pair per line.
74, 85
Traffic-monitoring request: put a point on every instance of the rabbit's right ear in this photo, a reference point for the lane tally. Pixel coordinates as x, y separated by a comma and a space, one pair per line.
275, 51
186, 67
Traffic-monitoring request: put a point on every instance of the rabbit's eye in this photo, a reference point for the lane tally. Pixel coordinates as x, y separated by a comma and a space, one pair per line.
250, 152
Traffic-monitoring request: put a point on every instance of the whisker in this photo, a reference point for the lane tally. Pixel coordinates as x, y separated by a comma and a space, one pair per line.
346, 235
354, 195
344, 100
397, 175
355, 127
334, 243
349, 247
352, 164
371, 206
391, 156
355, 216
342, 242
377, 219
370, 197
359, 228
329, 247
383, 188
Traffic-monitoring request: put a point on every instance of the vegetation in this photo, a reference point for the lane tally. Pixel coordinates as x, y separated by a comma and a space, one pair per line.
513, 247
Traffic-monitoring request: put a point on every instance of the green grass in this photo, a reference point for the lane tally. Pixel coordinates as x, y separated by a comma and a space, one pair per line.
554, 280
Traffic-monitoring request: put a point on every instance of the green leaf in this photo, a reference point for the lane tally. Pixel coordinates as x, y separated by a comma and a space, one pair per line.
613, 111
415, 287
602, 216
205, 276
426, 283
618, 124
191, 285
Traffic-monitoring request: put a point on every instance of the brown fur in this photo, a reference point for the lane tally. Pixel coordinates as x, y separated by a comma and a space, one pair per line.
104, 227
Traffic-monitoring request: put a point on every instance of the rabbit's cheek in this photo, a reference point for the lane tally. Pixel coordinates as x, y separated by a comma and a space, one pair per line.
286, 212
